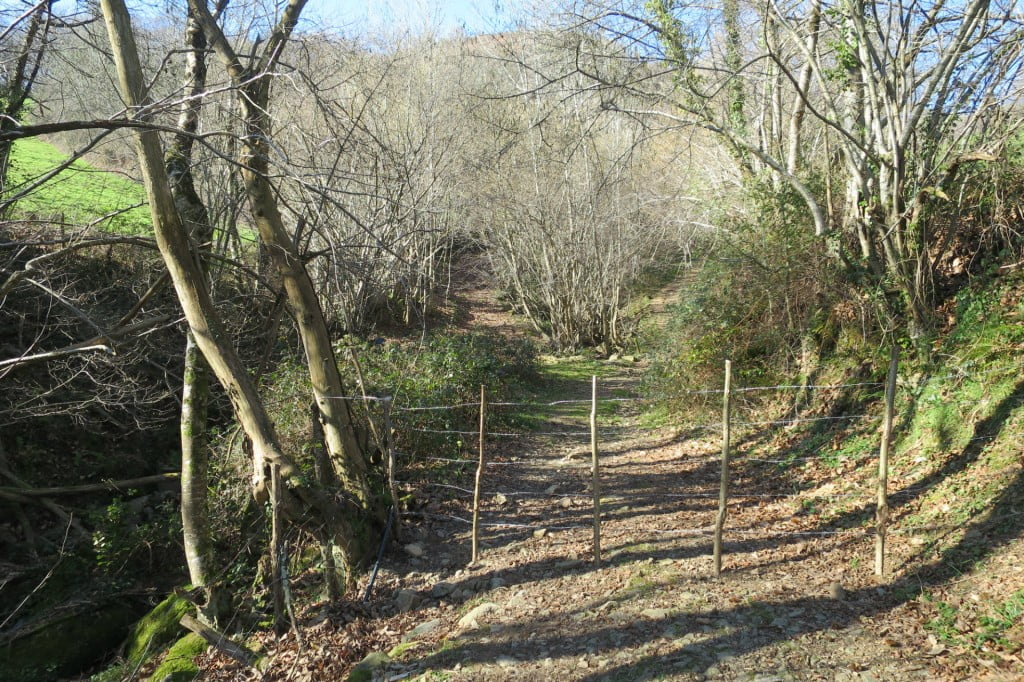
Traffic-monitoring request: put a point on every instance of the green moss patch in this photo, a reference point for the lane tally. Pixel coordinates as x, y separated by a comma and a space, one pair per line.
157, 629
179, 663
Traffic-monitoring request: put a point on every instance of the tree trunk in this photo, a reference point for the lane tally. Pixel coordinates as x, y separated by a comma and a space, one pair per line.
254, 84
195, 453
172, 241
210, 335
734, 63
328, 391
803, 85
195, 466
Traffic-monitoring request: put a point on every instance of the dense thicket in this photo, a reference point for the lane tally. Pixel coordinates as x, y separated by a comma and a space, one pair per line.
829, 172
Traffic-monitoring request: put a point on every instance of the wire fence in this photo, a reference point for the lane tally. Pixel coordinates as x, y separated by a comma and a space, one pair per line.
575, 501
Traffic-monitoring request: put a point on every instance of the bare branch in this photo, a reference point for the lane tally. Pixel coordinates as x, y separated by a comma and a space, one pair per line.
88, 488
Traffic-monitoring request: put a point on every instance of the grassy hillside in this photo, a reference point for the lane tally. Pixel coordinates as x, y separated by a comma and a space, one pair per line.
960, 444
956, 476
78, 195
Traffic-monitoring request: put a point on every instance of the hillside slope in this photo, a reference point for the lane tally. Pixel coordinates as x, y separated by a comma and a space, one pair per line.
797, 599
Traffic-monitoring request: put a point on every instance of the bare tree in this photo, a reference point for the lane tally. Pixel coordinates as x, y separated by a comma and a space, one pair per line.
927, 89
204, 322
905, 93
254, 82
18, 73
569, 220
377, 173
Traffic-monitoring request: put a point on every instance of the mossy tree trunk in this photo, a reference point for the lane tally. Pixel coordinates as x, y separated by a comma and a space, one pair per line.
195, 456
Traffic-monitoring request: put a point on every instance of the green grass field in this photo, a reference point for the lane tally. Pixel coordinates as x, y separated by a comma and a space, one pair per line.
79, 195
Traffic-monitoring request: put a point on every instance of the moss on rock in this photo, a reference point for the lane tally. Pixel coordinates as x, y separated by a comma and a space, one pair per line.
179, 664
364, 670
156, 629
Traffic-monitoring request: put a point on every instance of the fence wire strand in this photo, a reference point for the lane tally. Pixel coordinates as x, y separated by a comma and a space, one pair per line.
518, 434
645, 496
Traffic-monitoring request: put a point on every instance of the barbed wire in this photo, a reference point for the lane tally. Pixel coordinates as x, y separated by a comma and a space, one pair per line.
521, 434
779, 422
683, 531
490, 463
804, 458
576, 401
498, 524
645, 496
781, 460
447, 486
450, 460
685, 496
766, 531
864, 532
977, 402
505, 434
447, 432
503, 493
456, 406
801, 420
370, 398
533, 526
733, 496
959, 373
429, 408
815, 387
709, 530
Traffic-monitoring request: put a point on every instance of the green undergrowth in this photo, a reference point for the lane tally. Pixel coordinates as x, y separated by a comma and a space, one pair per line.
829, 437
434, 388
646, 580
734, 307
956, 474
976, 385
980, 627
567, 381
961, 433
79, 195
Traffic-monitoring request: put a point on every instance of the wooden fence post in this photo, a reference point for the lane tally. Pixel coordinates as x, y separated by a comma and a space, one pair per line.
882, 510
595, 484
723, 494
389, 447
479, 476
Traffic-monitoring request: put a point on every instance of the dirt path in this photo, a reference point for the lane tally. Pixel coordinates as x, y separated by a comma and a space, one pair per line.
536, 607
658, 307
797, 599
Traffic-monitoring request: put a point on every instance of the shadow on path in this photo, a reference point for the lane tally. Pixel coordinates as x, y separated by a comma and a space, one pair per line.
682, 641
